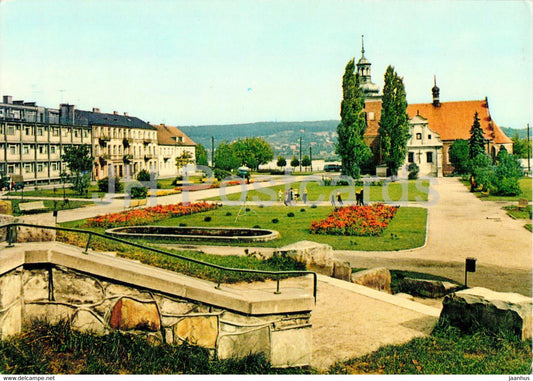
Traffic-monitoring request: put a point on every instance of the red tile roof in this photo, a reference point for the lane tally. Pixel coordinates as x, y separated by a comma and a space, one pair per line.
451, 120
166, 135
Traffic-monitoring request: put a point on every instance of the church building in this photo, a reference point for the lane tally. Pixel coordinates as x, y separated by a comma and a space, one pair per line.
432, 125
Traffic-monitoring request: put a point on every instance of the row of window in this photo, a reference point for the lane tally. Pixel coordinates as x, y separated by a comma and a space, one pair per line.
30, 167
120, 133
419, 136
411, 157
43, 131
14, 149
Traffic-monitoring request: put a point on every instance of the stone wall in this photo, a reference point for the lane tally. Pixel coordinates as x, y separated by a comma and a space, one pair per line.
26, 234
100, 305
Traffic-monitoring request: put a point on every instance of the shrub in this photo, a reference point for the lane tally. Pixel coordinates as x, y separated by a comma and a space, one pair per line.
506, 175
177, 180
302, 210
221, 174
257, 227
138, 192
290, 214
228, 214
143, 175
275, 220
183, 224
103, 184
207, 219
413, 171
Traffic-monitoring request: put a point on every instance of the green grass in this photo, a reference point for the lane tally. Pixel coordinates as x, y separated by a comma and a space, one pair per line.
57, 191
446, 351
414, 190
406, 230
49, 204
521, 214
528, 227
56, 349
525, 186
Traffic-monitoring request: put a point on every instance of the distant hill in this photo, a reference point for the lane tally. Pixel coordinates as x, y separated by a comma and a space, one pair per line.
522, 132
284, 137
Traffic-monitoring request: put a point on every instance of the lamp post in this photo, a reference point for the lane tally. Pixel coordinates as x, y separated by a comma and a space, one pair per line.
528, 151
300, 154
212, 151
311, 158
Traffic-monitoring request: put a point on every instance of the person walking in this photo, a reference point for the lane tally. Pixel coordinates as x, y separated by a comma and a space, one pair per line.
304, 196
339, 198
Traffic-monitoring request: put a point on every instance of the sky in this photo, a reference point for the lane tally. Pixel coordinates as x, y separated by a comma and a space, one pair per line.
218, 62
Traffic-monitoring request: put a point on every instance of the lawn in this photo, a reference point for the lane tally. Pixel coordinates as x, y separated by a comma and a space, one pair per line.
57, 191
50, 205
521, 214
414, 190
406, 230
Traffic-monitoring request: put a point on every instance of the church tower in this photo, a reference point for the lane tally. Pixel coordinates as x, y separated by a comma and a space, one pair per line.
370, 89
435, 92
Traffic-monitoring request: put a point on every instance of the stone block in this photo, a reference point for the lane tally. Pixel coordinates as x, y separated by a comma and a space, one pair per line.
5, 207
291, 347
427, 288
243, 342
5, 219
11, 320
377, 278
128, 314
86, 321
50, 312
35, 285
10, 288
342, 270
171, 307
75, 288
25, 234
197, 330
479, 307
113, 289
317, 257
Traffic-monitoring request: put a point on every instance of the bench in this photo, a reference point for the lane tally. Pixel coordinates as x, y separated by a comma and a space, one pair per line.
32, 206
522, 203
137, 203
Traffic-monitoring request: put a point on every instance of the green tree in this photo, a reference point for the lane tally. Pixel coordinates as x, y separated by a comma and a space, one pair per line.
183, 159
459, 156
295, 162
306, 161
225, 158
506, 175
476, 143
521, 147
79, 163
482, 170
394, 122
281, 162
350, 143
201, 155
252, 152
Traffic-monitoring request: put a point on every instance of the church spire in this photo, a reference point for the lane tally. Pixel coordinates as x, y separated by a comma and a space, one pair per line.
362, 45
435, 91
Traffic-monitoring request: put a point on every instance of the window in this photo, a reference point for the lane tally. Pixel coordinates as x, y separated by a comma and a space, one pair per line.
52, 149
26, 150
76, 133
12, 149
28, 168
11, 168
40, 167
429, 157
418, 136
28, 131
53, 166
411, 157
42, 149
11, 130
55, 131
371, 116
429, 136
40, 131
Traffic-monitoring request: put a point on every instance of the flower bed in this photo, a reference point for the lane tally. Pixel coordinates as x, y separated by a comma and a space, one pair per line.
354, 220
148, 215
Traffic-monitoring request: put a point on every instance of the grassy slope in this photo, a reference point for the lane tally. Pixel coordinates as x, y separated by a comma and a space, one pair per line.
525, 186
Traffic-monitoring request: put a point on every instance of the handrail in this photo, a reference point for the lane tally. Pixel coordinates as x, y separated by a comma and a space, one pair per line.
10, 238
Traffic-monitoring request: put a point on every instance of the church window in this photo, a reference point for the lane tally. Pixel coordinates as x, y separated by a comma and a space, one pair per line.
429, 157
411, 157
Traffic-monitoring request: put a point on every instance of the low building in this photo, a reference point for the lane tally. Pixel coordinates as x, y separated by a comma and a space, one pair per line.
424, 148
172, 144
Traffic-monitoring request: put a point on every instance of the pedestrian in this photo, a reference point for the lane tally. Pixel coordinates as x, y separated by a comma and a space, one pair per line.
339, 198
304, 196
333, 199
291, 195
280, 196
286, 202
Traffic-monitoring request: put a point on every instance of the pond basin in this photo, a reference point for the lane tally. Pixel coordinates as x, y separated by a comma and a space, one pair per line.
194, 233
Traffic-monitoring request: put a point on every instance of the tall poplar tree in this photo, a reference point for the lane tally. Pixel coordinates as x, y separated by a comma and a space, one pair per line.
394, 122
476, 143
350, 144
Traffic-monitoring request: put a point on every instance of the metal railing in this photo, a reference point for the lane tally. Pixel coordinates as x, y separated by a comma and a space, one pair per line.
11, 240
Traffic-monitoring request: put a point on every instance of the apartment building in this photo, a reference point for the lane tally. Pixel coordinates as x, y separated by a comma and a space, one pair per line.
33, 138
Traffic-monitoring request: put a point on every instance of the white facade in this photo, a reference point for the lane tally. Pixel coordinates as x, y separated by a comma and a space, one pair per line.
424, 148
167, 158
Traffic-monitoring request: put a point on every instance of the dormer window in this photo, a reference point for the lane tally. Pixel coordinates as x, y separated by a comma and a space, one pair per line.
418, 136
429, 137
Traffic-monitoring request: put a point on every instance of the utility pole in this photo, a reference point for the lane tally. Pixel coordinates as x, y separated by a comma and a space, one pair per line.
311, 158
212, 152
528, 151
300, 154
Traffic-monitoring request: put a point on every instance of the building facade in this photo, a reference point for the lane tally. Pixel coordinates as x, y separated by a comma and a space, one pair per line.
424, 148
173, 144
33, 139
